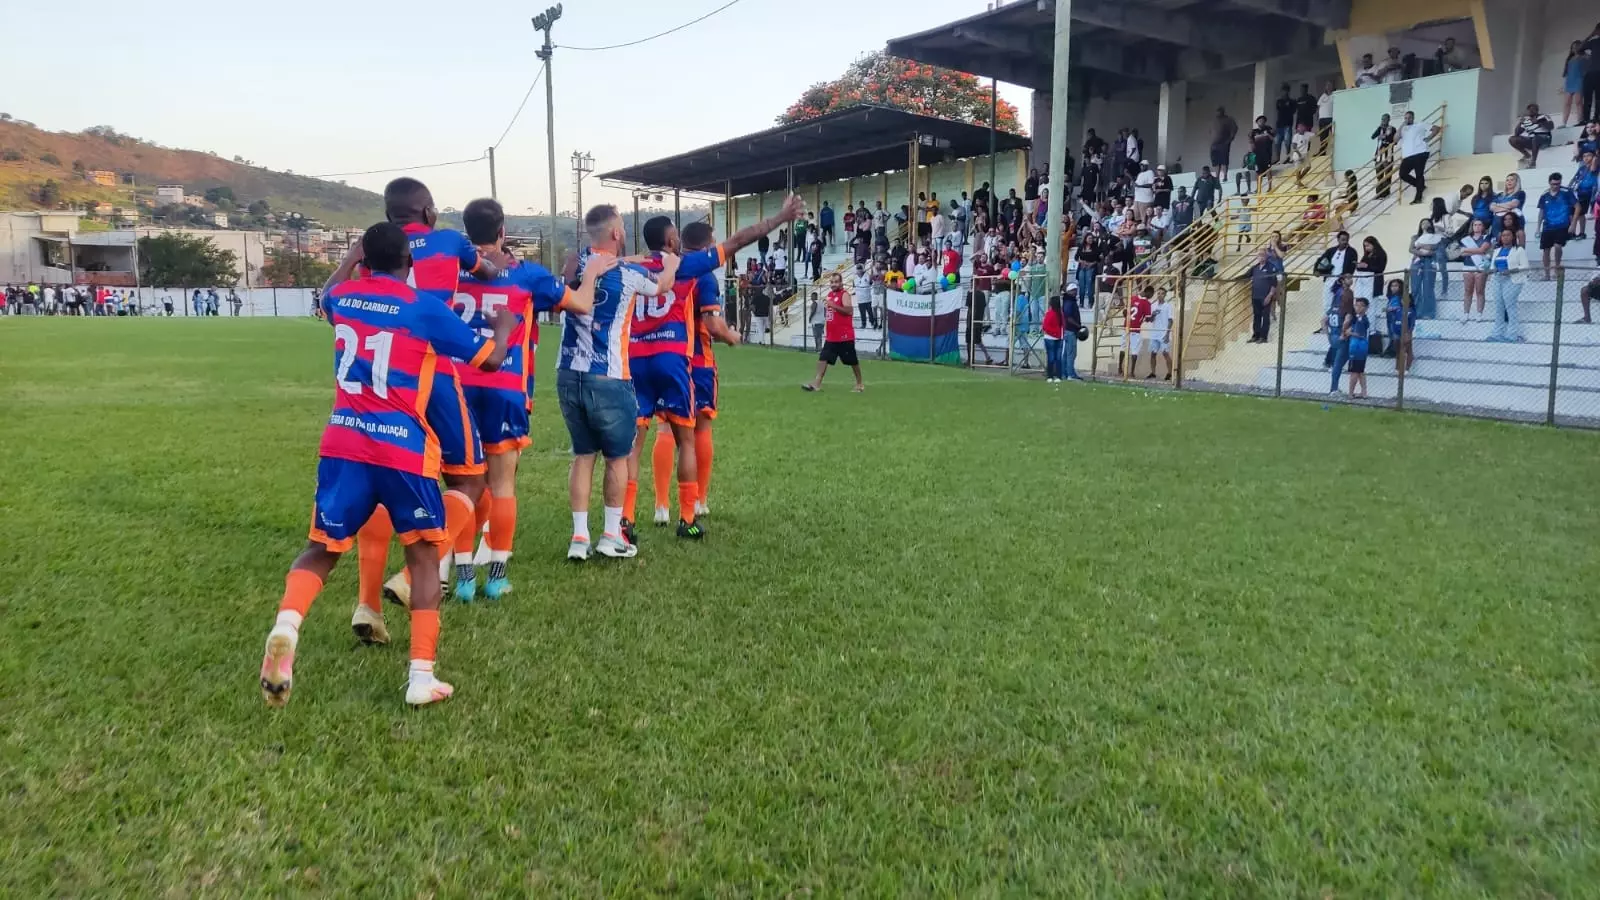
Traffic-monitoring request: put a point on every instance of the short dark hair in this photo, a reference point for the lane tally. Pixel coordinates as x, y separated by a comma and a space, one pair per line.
696, 235
655, 232
405, 200
598, 216
483, 218
384, 247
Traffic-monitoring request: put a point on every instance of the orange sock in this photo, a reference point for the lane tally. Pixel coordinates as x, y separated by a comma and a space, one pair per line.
629, 499
661, 466
458, 517
484, 510
687, 495
502, 527
702, 460
424, 634
300, 588
372, 555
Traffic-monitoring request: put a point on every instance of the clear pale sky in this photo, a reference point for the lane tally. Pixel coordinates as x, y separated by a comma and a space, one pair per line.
330, 87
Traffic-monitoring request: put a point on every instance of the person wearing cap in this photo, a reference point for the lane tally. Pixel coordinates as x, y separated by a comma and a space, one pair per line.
1144, 194
1163, 188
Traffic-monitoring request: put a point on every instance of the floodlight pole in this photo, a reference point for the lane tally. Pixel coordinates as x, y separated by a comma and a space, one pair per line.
994, 173
544, 22
1058, 146
494, 191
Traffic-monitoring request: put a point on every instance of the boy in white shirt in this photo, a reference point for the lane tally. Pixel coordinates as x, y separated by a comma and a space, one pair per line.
1158, 333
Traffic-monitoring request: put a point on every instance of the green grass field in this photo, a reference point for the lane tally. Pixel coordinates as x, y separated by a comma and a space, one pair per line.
962, 635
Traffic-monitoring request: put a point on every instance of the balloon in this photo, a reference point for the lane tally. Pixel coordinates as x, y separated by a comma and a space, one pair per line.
951, 278
1016, 265
911, 285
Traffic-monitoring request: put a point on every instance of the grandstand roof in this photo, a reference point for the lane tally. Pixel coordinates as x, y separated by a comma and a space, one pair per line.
1126, 40
860, 140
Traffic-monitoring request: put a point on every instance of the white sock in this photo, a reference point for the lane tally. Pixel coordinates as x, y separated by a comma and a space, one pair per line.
288, 618
421, 668
580, 525
499, 556
463, 559
614, 520
444, 569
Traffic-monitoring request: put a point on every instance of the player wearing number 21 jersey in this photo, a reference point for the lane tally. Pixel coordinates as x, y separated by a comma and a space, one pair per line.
378, 448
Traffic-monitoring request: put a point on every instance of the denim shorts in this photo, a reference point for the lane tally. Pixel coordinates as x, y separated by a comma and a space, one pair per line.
600, 413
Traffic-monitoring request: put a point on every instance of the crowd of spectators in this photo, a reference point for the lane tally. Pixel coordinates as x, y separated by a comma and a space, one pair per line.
43, 299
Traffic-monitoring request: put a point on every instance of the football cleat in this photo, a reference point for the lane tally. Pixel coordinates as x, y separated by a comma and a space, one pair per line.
629, 534
616, 547
369, 626
495, 589
423, 689
397, 590
663, 516
578, 550
701, 509
466, 590
690, 530
277, 667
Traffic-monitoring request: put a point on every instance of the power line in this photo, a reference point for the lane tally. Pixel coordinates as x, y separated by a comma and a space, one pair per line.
458, 162
518, 113
654, 36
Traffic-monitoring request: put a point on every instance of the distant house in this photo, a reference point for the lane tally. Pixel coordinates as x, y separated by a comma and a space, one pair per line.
103, 177
220, 219
103, 209
169, 194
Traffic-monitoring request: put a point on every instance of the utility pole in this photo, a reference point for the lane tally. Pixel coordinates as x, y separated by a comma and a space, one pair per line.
494, 192
582, 165
544, 22
1058, 145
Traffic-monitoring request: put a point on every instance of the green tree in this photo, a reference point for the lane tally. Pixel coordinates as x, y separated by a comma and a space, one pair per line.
181, 260
885, 80
49, 194
218, 194
294, 270
259, 209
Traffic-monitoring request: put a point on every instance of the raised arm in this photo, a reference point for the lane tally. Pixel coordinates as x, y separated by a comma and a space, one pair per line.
793, 208
343, 271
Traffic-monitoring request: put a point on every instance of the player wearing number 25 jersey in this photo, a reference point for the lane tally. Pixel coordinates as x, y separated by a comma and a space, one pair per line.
439, 256
500, 401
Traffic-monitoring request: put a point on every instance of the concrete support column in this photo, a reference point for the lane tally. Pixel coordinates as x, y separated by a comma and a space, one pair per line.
1171, 120
1262, 95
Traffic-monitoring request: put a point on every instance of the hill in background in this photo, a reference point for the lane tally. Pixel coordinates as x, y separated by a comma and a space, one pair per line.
30, 158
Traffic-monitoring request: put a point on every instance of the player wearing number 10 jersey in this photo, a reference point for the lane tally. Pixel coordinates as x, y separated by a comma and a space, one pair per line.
379, 449
660, 346
501, 401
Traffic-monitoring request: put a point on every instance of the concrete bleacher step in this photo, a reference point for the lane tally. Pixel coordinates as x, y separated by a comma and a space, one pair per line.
1464, 373
1561, 137
1523, 400
1523, 354
1533, 332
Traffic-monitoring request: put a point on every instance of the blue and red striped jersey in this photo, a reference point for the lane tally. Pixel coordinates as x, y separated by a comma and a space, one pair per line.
663, 323
526, 289
388, 342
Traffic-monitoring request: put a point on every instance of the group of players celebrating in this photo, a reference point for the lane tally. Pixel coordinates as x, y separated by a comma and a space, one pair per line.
434, 341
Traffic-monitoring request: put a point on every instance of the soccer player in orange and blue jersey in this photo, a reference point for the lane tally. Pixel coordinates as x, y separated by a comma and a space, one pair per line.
660, 350
439, 256
378, 448
707, 325
501, 401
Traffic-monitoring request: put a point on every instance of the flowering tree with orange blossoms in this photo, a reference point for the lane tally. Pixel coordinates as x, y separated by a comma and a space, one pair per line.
885, 80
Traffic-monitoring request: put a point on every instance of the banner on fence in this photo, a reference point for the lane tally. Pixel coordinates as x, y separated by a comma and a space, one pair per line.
912, 336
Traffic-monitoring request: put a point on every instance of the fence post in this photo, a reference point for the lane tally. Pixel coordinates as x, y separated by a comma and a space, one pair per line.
274, 301
1555, 348
1283, 331
1400, 356
1094, 330
1183, 291
933, 308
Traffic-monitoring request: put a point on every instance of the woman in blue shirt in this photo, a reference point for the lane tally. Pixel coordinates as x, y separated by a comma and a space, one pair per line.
1572, 72
1512, 199
1482, 202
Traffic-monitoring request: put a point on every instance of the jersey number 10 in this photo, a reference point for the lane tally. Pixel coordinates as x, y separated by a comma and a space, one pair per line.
378, 344
653, 307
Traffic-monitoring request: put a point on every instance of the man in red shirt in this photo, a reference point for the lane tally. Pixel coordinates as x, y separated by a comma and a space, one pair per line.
839, 336
1133, 336
952, 261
